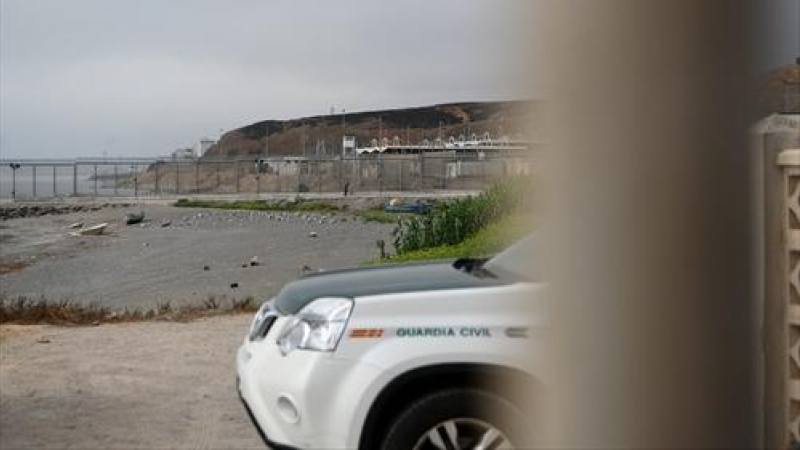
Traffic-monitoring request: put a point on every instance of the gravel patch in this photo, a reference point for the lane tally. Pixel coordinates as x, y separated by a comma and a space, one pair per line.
177, 255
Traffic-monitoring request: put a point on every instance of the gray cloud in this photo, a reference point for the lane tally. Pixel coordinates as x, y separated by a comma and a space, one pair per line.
142, 77
779, 31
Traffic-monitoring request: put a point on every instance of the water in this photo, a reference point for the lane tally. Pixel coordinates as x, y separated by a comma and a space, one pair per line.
63, 182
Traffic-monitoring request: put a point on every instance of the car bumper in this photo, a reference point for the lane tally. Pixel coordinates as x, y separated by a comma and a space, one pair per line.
271, 444
306, 399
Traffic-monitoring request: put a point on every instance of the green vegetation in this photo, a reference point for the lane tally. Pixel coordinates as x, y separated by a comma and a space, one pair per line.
452, 222
24, 311
381, 216
486, 242
298, 204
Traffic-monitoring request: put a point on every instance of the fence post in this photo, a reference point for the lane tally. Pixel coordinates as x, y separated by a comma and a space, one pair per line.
156, 187
380, 176
444, 174
483, 172
34, 181
358, 169
237, 176
422, 170
341, 173
400, 173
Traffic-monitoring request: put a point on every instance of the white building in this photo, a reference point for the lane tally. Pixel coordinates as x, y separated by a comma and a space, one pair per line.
183, 153
202, 146
348, 145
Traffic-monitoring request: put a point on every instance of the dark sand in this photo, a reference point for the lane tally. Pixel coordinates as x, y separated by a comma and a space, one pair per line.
140, 266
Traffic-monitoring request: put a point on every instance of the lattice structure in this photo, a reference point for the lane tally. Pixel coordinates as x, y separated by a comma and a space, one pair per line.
790, 161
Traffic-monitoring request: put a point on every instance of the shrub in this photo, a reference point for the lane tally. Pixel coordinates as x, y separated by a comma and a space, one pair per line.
453, 221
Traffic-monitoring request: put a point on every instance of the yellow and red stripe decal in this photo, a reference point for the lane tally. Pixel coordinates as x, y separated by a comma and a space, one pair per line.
366, 333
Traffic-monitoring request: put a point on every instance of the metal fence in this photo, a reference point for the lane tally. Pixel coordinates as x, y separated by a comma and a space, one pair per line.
26, 179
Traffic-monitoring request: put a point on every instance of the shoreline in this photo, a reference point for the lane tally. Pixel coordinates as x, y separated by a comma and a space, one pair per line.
267, 196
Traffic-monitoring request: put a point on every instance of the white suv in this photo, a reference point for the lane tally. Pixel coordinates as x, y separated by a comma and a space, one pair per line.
398, 357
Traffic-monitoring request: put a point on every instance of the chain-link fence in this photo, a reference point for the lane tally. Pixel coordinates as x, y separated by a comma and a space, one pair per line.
25, 179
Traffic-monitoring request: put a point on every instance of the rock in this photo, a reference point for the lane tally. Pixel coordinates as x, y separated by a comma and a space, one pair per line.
166, 223
134, 218
313, 234
234, 285
43, 340
206, 268
254, 261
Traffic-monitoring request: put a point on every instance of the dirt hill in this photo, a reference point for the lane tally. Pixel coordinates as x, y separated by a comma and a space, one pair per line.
779, 91
323, 134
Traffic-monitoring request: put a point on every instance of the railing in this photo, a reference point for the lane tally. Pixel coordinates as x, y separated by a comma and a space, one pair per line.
141, 177
777, 256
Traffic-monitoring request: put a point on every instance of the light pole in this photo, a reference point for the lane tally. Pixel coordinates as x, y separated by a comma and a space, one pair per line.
344, 130
14, 168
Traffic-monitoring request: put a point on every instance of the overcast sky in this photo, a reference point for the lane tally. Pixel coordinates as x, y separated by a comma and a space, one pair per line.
780, 32
143, 77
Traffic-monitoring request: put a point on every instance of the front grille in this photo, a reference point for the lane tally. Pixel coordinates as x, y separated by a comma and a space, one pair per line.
263, 322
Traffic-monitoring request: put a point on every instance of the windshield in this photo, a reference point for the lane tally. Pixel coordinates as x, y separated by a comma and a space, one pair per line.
516, 261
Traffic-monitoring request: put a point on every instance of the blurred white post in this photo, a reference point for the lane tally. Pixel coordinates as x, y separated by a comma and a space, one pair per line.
646, 240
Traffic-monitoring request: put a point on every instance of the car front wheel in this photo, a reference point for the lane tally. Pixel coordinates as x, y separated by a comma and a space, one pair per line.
454, 419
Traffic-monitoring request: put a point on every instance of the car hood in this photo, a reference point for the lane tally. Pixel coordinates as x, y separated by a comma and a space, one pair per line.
376, 280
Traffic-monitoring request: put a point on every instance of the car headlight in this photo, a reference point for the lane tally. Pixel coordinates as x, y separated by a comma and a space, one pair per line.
318, 326
262, 321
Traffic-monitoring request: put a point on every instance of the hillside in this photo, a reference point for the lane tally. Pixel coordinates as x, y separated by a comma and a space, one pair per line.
304, 136
779, 91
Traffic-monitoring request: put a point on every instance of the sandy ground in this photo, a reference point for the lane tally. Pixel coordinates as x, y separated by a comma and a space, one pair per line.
156, 384
145, 385
142, 265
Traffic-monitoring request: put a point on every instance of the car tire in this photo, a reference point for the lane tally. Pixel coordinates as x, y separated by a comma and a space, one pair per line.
457, 418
